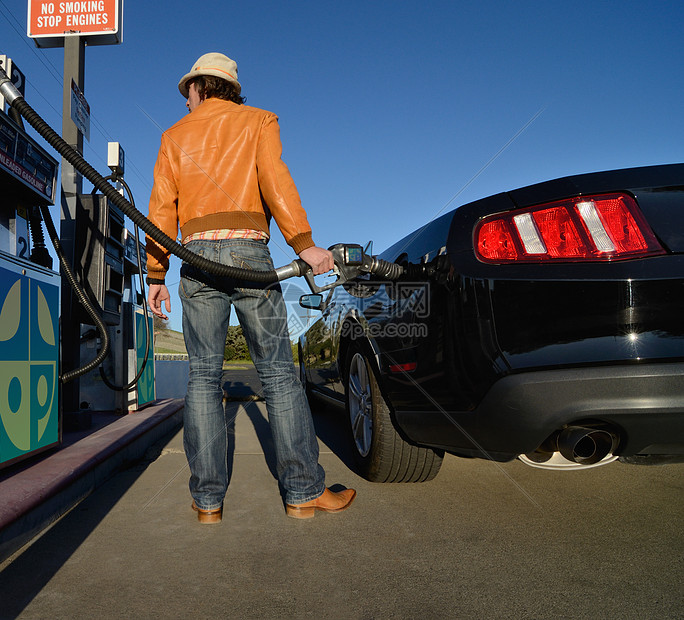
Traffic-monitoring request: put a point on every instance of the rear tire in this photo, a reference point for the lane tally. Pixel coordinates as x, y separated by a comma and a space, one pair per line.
380, 453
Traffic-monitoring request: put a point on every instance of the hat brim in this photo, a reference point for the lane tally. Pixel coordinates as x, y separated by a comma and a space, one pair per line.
183, 84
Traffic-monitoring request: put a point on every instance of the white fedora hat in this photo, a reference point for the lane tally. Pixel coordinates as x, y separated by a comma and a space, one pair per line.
212, 63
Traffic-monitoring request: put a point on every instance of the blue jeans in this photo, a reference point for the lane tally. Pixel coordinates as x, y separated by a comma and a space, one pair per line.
260, 308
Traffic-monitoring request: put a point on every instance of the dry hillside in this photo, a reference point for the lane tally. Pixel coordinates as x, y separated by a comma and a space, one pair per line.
168, 341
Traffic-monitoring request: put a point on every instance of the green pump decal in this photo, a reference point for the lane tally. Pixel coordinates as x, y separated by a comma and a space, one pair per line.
29, 350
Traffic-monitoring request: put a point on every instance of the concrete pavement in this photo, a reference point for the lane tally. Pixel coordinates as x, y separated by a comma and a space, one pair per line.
483, 540
36, 492
39, 490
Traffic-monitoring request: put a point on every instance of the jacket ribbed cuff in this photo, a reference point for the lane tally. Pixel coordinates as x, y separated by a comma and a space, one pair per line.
156, 277
301, 242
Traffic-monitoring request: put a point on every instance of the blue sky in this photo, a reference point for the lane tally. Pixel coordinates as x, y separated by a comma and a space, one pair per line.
391, 112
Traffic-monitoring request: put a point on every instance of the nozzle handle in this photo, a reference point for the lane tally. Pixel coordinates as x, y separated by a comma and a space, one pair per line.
299, 267
350, 261
296, 268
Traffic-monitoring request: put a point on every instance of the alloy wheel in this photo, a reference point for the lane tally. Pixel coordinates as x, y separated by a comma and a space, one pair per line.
360, 404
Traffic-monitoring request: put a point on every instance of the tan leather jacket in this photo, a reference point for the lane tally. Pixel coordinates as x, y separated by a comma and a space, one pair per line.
220, 167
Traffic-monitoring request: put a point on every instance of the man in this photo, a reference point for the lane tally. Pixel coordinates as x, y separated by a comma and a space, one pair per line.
219, 175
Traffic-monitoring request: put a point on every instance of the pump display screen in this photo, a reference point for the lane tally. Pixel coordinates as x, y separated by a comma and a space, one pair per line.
354, 255
23, 161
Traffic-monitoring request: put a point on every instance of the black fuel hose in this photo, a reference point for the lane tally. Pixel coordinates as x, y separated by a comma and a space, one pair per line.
82, 297
297, 268
99, 182
20, 108
42, 258
385, 269
148, 336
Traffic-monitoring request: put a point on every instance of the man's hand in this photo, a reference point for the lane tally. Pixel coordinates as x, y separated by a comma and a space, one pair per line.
156, 295
319, 259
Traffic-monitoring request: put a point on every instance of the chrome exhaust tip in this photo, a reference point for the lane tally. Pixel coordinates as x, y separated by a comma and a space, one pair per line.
586, 446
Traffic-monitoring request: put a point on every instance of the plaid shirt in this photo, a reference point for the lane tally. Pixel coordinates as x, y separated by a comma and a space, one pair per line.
226, 233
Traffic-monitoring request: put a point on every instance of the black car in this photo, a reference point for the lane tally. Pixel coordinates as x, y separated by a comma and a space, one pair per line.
545, 323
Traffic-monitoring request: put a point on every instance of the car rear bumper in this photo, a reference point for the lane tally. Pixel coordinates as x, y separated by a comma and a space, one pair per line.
642, 404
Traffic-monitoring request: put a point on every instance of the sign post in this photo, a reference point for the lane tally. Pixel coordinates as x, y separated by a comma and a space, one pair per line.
73, 24
72, 186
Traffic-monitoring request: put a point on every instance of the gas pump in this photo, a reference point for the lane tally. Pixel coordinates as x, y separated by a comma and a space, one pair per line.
30, 421
139, 327
110, 265
31, 416
114, 386
30, 376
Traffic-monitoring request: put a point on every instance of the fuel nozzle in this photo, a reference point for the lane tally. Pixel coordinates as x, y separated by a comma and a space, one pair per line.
350, 262
7, 89
353, 261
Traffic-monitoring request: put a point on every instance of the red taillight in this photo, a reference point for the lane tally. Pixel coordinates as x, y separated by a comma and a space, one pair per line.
408, 367
594, 228
559, 233
622, 226
495, 241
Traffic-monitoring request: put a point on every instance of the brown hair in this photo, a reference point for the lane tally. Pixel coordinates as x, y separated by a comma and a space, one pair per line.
211, 86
